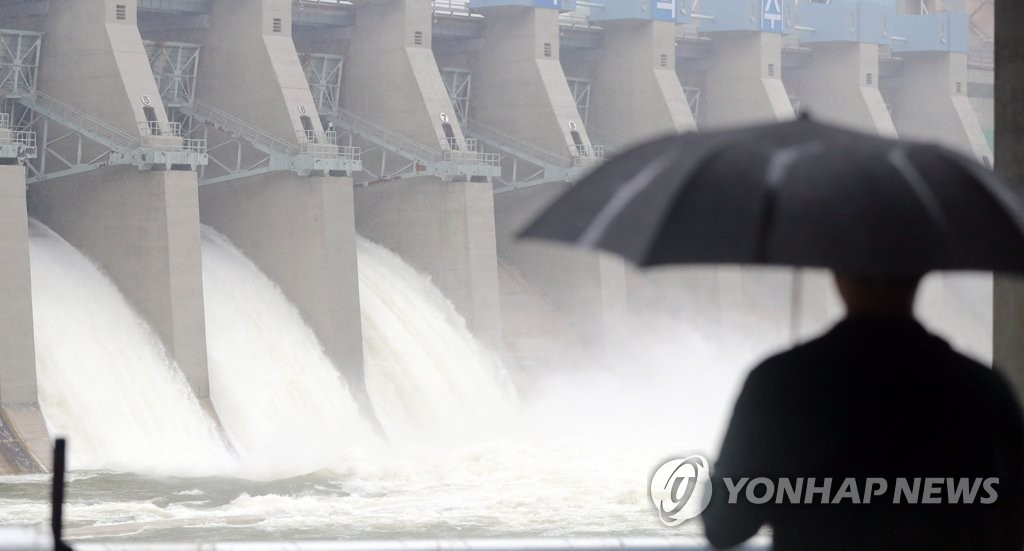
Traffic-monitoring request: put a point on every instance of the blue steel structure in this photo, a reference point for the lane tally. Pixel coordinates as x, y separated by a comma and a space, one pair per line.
864, 21
648, 10
560, 5
770, 16
934, 32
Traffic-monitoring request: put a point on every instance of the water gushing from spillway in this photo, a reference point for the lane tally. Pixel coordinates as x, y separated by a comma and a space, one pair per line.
104, 378
426, 375
281, 400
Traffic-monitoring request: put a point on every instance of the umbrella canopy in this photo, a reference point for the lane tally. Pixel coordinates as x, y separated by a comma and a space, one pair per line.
799, 193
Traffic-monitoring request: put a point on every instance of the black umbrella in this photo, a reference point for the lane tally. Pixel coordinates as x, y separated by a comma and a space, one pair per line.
799, 193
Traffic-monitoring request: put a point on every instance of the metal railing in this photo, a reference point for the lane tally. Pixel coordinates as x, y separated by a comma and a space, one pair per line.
17, 144
982, 57
387, 138
325, 146
80, 122
586, 154
262, 140
516, 146
467, 151
156, 143
451, 7
167, 136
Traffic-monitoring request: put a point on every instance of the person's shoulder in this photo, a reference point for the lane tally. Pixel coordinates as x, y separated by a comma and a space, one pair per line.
791, 362
986, 380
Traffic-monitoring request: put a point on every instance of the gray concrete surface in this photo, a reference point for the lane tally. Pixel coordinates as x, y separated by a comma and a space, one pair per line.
634, 90
391, 79
86, 50
445, 229
837, 87
142, 230
18, 366
931, 104
301, 233
743, 81
253, 72
519, 86
24, 443
589, 289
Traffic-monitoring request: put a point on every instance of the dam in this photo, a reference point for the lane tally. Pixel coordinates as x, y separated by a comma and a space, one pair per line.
263, 239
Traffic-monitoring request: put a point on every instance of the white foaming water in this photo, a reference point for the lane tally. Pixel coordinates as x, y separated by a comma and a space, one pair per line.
426, 374
277, 394
573, 458
104, 378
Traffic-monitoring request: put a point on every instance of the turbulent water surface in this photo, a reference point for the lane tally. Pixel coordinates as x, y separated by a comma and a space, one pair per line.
457, 451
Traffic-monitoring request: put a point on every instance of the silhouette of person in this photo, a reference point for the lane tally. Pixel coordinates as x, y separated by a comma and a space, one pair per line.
877, 397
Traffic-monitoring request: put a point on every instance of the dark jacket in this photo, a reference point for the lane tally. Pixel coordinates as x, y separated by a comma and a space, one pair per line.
880, 398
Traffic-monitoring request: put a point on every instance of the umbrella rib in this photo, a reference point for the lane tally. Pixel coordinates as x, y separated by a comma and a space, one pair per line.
899, 160
596, 229
998, 192
777, 168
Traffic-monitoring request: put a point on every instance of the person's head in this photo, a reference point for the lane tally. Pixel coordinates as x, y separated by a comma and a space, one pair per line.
875, 295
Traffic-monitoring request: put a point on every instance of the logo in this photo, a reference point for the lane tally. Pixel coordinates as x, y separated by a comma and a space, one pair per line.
681, 489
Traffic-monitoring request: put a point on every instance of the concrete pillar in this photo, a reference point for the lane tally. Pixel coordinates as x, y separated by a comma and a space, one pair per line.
24, 443
1008, 346
299, 231
841, 87
588, 288
391, 76
94, 60
142, 229
519, 86
248, 67
743, 82
445, 229
931, 104
18, 366
634, 90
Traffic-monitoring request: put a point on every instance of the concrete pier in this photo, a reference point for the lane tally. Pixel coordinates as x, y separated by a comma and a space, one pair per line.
445, 229
588, 288
519, 86
634, 90
743, 84
299, 230
24, 443
841, 87
390, 74
932, 104
141, 228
